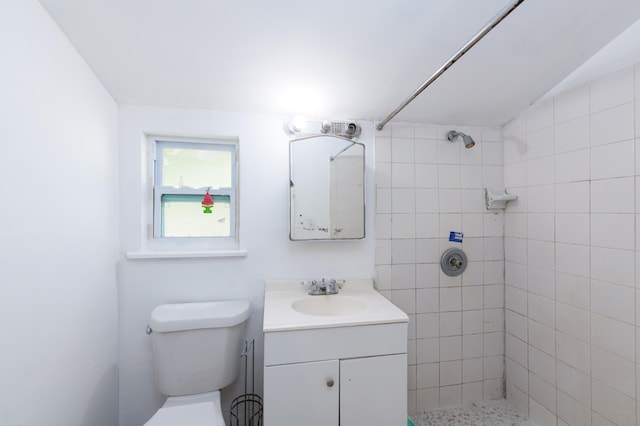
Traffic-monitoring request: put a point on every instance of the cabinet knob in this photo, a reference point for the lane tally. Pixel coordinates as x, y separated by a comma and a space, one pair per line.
330, 383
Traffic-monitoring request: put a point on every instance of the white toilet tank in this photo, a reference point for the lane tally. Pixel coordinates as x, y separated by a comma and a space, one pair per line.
197, 346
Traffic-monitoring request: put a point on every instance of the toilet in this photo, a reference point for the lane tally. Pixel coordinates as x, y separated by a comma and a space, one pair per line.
196, 353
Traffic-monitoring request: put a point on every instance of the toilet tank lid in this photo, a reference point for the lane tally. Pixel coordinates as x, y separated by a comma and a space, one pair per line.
198, 315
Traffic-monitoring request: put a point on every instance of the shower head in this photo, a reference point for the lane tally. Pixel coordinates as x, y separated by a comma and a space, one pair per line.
468, 140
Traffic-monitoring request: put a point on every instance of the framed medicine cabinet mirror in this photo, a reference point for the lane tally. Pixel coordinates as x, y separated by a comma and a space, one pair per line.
326, 180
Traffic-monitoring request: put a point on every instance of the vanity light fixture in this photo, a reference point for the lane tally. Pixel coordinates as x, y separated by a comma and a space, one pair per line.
325, 126
299, 127
299, 123
296, 125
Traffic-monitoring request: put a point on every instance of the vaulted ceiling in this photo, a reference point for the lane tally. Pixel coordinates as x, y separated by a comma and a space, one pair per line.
338, 59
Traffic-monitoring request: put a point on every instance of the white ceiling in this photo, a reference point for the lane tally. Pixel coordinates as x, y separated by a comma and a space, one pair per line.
338, 59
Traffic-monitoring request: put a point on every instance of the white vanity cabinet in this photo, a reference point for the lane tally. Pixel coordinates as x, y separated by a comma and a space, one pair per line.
302, 394
333, 360
345, 376
373, 391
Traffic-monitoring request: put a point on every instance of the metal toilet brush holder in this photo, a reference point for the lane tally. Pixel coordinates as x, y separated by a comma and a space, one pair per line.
246, 409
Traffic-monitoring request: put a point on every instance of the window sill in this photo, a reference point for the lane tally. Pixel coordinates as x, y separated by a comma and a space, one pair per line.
142, 255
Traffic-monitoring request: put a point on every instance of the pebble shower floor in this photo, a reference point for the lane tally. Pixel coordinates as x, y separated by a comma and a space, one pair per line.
485, 413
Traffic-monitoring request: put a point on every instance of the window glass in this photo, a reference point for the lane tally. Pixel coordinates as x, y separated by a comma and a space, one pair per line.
196, 168
183, 173
182, 216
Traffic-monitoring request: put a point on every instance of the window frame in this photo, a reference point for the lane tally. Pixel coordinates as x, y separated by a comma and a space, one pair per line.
155, 239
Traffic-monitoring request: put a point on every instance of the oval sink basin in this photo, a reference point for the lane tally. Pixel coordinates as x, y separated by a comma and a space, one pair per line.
328, 305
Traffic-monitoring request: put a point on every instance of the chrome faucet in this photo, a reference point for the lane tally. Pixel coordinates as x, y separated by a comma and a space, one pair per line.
323, 287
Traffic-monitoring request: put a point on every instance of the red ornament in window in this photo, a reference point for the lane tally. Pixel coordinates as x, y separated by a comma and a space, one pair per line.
207, 203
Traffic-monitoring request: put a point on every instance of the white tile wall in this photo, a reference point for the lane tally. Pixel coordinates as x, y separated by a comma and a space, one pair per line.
572, 197
612, 125
571, 104
612, 160
427, 187
572, 135
572, 251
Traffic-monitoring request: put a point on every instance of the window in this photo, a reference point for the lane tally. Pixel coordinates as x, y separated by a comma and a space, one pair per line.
183, 171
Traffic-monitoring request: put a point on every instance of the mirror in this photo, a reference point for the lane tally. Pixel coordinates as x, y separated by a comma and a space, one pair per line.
326, 178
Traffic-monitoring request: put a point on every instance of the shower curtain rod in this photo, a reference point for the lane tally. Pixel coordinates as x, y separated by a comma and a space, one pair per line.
488, 27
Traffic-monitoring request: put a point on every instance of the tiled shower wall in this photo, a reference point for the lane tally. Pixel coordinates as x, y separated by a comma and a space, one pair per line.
571, 252
427, 187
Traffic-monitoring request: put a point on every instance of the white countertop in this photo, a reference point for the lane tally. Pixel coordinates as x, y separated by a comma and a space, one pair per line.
279, 315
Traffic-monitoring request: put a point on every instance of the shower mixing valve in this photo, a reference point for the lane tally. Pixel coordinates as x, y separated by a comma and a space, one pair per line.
453, 262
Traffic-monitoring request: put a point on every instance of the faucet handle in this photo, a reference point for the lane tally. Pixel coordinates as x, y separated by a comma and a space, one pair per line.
333, 286
314, 286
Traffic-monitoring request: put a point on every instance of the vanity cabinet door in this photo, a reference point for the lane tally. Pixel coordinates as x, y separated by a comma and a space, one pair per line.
373, 391
302, 394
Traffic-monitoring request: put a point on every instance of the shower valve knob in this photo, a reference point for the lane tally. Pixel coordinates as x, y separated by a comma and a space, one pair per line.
453, 262
456, 262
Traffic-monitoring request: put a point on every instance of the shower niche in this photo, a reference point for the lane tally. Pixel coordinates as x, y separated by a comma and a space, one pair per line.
326, 188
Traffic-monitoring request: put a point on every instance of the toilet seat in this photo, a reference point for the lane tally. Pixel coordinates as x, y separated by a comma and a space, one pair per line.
191, 410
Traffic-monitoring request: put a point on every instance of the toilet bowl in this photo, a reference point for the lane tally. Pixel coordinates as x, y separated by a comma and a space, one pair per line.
192, 410
196, 353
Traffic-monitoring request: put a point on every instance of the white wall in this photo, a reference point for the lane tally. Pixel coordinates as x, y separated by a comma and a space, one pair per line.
427, 187
58, 229
572, 251
264, 192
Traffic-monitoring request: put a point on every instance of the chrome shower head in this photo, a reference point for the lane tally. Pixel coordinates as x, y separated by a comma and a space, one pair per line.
468, 140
